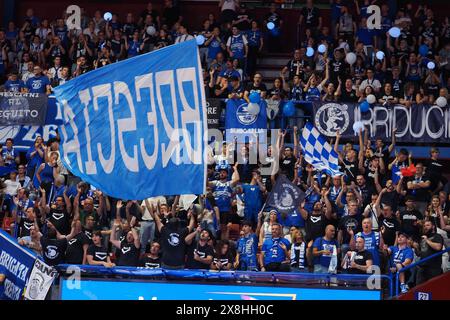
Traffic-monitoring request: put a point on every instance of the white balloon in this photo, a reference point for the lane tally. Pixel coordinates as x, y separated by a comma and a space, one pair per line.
431, 65
394, 32
371, 99
357, 126
322, 48
200, 39
107, 16
253, 108
151, 30
350, 58
380, 55
441, 102
309, 52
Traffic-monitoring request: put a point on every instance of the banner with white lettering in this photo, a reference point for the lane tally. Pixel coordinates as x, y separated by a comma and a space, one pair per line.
138, 128
40, 281
420, 122
25, 135
22, 108
214, 108
17, 263
242, 125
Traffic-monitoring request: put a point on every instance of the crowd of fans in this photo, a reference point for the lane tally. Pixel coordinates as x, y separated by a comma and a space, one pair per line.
372, 215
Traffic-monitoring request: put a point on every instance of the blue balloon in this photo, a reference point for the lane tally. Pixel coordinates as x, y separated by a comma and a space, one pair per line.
364, 106
254, 97
423, 50
288, 109
270, 25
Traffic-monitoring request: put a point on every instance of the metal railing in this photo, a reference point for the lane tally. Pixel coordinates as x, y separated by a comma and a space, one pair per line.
415, 264
294, 279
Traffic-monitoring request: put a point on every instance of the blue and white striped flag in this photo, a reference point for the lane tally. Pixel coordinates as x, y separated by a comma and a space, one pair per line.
318, 152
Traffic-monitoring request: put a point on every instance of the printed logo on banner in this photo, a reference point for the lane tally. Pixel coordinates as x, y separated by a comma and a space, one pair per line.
244, 117
41, 279
285, 196
273, 106
331, 117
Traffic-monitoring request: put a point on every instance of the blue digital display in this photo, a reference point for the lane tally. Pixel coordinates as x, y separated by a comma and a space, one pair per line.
121, 290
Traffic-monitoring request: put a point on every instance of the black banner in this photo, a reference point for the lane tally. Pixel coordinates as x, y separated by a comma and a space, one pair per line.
22, 109
214, 108
419, 123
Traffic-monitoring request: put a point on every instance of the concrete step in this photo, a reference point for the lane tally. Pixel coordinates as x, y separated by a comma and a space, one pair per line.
273, 61
269, 73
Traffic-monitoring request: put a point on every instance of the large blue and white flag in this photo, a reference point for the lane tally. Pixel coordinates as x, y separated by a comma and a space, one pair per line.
138, 128
318, 152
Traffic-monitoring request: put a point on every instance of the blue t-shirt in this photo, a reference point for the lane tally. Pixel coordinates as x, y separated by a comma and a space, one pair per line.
237, 46
336, 11
214, 48
134, 48
252, 196
222, 194
365, 36
400, 255
14, 86
247, 248
230, 73
371, 244
313, 94
322, 244
38, 84
273, 251
254, 38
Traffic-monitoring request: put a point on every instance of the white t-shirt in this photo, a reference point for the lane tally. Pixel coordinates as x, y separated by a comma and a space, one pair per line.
12, 187
229, 5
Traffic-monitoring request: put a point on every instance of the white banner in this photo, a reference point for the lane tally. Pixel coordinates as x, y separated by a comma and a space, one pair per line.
41, 279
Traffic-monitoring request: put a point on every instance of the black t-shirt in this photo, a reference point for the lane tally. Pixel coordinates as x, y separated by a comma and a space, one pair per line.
25, 227
292, 66
311, 16
170, 16
98, 253
273, 17
224, 259
434, 170
390, 198
150, 263
61, 220
348, 96
53, 250
366, 192
88, 234
350, 221
361, 260
129, 255
251, 87
421, 194
287, 165
391, 226
426, 251
351, 169
409, 221
75, 252
173, 246
315, 226
202, 251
